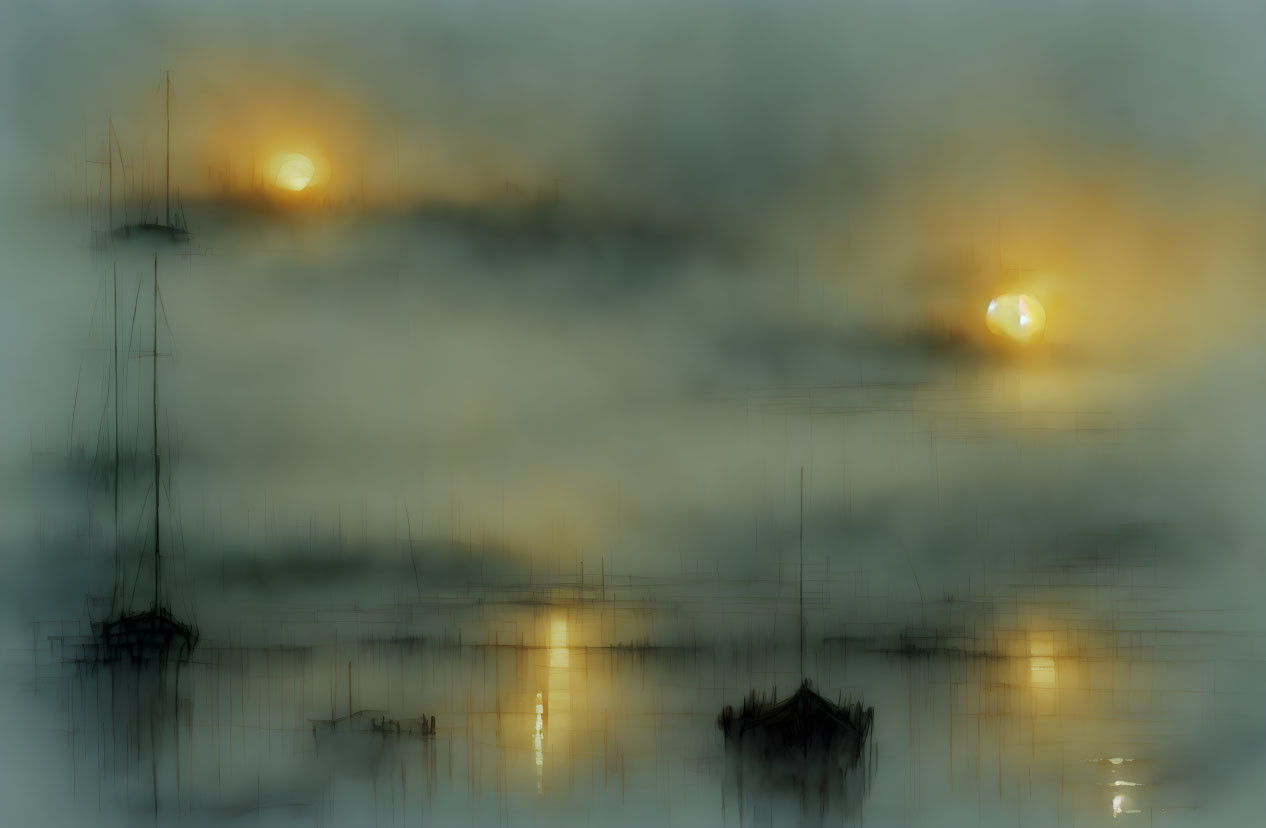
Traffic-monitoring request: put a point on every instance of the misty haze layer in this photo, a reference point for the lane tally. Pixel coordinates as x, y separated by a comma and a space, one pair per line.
588, 285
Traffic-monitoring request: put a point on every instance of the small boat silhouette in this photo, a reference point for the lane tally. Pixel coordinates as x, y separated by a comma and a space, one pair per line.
805, 724
376, 721
373, 721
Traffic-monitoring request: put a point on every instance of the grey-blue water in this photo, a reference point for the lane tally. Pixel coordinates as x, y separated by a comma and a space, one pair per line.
1050, 725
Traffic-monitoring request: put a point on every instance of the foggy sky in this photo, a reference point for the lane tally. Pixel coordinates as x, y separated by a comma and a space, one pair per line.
604, 279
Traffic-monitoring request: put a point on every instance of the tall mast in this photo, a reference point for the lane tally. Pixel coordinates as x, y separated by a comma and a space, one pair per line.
117, 579
157, 482
110, 167
167, 185
802, 573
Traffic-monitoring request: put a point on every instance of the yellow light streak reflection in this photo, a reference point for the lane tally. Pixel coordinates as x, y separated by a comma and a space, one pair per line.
538, 741
1042, 659
554, 705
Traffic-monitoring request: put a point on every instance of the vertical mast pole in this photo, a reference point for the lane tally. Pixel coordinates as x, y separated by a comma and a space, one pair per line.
167, 185
117, 567
802, 573
110, 167
158, 558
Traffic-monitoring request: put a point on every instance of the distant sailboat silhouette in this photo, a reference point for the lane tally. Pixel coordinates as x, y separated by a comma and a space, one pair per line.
175, 232
372, 721
805, 725
154, 633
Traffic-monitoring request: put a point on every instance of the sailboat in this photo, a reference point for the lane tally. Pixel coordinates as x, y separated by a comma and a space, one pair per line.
372, 721
804, 726
153, 634
175, 232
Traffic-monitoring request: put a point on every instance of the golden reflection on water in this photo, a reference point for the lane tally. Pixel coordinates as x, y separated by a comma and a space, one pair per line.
553, 707
1042, 658
538, 743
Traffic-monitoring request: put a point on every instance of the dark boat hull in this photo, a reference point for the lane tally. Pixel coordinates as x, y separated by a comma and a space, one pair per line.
151, 635
804, 752
804, 725
152, 230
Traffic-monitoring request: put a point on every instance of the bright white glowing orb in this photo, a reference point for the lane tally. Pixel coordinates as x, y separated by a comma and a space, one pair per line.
1016, 316
294, 172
